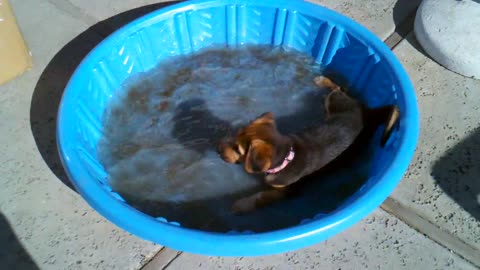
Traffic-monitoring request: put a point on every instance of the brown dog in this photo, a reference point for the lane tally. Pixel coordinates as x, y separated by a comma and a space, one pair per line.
286, 159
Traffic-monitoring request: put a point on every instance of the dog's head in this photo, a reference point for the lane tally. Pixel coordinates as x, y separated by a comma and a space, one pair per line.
254, 145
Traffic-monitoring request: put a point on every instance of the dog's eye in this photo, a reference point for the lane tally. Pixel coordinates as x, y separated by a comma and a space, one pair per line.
235, 147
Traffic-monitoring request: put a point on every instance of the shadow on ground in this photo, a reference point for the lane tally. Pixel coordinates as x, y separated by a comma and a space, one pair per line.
457, 172
12, 254
404, 22
404, 15
53, 80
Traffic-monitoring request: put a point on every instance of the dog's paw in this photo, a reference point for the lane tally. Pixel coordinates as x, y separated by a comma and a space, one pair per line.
243, 206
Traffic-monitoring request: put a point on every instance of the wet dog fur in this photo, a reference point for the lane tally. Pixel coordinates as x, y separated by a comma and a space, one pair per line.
259, 146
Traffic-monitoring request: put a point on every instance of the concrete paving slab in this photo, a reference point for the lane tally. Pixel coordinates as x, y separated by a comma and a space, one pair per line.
379, 241
432, 231
380, 16
162, 259
442, 184
101, 10
43, 221
58, 230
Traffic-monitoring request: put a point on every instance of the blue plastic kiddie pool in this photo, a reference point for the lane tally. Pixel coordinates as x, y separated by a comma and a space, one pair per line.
336, 42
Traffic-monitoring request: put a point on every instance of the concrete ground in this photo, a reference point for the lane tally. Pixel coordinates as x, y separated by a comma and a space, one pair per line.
431, 221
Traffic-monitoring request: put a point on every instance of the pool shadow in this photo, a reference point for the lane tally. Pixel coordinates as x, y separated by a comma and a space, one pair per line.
12, 254
457, 172
196, 128
321, 192
215, 214
54, 78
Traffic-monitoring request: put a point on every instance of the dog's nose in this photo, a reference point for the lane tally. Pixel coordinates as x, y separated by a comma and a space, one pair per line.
221, 148
255, 168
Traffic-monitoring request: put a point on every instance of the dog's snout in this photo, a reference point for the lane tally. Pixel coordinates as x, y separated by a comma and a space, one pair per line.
219, 149
226, 151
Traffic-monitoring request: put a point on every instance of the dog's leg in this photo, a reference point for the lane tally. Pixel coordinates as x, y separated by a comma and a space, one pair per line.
339, 102
258, 200
322, 81
387, 115
327, 105
392, 120
335, 101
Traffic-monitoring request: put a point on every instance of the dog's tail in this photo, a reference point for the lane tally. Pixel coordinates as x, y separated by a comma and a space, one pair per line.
387, 115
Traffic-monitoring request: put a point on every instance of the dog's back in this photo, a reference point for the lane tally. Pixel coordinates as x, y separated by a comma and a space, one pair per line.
348, 125
326, 142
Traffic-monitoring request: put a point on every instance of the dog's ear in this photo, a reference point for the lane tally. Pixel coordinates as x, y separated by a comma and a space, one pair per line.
227, 151
259, 156
266, 118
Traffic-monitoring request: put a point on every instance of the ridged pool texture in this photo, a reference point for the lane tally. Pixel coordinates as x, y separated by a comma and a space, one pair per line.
141, 114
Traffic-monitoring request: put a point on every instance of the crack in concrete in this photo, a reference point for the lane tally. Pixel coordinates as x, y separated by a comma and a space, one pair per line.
73, 10
162, 259
431, 231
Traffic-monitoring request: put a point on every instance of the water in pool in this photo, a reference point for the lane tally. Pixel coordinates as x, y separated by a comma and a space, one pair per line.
161, 131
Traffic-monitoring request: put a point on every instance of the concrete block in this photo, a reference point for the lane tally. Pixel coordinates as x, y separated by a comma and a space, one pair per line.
441, 183
448, 32
380, 241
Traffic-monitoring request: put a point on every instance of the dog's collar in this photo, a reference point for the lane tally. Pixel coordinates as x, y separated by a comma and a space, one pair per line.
284, 164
